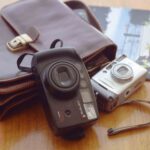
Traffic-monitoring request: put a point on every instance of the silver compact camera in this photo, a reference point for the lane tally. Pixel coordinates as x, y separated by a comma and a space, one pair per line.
116, 82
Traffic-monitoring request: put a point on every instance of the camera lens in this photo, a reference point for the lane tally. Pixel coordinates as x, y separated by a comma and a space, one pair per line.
122, 72
63, 77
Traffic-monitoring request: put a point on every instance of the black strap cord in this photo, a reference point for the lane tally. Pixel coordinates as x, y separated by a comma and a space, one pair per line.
19, 61
55, 42
114, 131
21, 58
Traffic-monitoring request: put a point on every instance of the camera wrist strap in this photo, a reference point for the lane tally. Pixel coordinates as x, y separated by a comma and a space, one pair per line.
21, 58
114, 131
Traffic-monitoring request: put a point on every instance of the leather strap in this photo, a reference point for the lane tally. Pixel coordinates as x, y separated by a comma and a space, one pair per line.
138, 101
91, 18
11, 98
11, 102
13, 106
114, 131
11, 89
33, 33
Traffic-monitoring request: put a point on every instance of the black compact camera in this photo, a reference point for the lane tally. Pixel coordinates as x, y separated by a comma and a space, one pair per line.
65, 89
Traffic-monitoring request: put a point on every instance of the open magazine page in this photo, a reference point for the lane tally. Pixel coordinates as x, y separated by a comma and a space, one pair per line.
129, 29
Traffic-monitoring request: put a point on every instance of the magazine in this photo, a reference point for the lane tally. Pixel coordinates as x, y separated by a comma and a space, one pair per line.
129, 29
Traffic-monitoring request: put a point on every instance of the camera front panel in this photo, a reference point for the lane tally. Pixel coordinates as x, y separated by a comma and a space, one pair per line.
67, 94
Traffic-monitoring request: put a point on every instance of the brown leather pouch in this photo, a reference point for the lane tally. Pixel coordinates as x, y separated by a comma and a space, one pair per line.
48, 20
11, 101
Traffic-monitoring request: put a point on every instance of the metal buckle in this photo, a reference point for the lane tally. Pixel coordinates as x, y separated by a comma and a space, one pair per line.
19, 43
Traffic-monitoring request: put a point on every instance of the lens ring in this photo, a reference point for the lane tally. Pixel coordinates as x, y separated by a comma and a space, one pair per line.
122, 72
50, 77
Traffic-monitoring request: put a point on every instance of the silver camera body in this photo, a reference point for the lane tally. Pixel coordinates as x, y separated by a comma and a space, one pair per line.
116, 82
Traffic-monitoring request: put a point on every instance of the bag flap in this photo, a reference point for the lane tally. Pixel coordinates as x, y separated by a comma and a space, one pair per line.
54, 20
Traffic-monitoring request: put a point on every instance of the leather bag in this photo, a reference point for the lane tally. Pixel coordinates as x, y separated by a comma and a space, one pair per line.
43, 21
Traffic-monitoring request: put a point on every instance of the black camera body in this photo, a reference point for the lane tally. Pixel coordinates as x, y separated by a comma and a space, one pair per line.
65, 89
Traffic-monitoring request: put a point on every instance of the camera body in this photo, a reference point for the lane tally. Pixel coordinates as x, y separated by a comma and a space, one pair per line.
66, 91
116, 82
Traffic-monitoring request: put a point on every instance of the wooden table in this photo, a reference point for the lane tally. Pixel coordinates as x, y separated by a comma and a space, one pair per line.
28, 129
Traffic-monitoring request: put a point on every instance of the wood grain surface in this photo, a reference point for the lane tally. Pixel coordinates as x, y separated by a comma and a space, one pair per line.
28, 128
